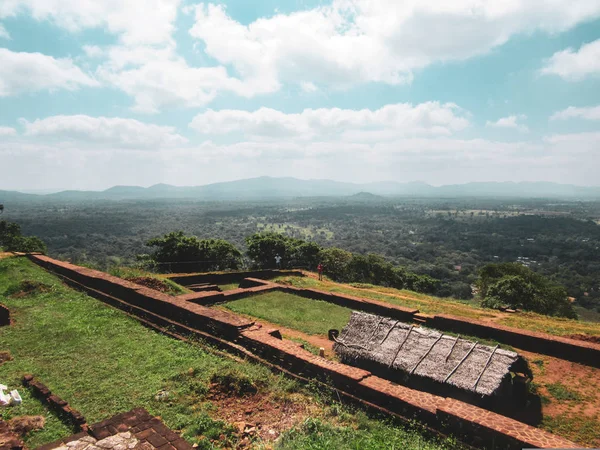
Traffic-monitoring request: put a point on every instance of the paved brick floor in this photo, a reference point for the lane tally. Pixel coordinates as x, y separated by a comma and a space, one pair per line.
133, 430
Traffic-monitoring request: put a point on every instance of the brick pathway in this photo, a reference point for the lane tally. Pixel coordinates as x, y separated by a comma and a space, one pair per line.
133, 430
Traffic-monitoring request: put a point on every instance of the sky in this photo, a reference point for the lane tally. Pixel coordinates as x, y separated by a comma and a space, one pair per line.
97, 93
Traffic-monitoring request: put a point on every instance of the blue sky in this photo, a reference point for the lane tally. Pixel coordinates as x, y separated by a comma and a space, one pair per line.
95, 93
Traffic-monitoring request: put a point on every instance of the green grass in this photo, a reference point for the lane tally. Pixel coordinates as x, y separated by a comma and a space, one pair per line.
99, 360
560, 392
314, 434
436, 305
229, 287
422, 302
299, 313
103, 362
579, 428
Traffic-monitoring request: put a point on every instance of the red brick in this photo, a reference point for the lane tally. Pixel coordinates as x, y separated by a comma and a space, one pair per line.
181, 444
156, 440
144, 434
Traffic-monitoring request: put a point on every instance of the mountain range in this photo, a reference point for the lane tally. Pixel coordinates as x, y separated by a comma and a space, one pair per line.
281, 188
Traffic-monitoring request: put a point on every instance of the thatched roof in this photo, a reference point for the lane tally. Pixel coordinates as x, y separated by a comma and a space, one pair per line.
371, 341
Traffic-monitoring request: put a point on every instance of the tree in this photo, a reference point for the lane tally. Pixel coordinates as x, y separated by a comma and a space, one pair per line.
180, 253
12, 240
335, 263
517, 286
263, 247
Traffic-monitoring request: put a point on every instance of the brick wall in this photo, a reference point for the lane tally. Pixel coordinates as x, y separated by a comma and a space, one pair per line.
174, 308
476, 425
4, 315
569, 349
232, 277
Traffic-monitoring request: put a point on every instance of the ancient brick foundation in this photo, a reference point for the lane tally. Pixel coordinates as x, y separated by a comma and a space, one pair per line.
570, 349
232, 277
142, 431
475, 425
55, 403
4, 315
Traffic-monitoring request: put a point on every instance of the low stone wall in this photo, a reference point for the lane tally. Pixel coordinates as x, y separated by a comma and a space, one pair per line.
231, 277
55, 403
570, 349
214, 321
4, 315
473, 423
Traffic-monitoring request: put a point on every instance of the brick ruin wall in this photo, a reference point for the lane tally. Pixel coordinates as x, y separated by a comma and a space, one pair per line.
4, 315
231, 277
471, 423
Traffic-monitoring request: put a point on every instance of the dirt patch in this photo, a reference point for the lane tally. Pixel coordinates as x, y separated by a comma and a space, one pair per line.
5, 356
24, 424
257, 415
27, 287
584, 337
152, 283
583, 381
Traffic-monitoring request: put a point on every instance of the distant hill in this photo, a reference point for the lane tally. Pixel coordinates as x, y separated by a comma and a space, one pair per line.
367, 197
281, 188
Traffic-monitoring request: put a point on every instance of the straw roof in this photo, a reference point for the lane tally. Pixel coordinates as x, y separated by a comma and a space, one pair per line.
370, 341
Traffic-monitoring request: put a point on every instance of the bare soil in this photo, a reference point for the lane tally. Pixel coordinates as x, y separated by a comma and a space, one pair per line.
584, 381
24, 424
585, 337
27, 287
258, 415
5, 356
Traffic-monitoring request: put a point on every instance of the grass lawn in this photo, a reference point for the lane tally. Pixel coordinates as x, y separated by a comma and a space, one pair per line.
435, 305
228, 287
299, 313
103, 362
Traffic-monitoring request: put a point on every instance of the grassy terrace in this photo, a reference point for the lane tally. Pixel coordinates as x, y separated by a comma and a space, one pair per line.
435, 305
292, 311
103, 362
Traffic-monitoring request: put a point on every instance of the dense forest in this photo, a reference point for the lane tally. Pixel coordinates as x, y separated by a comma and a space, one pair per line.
447, 239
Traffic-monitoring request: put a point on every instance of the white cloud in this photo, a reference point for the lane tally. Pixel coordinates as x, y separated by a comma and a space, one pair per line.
345, 43
29, 72
93, 51
575, 65
135, 21
509, 122
7, 131
357, 41
309, 87
160, 78
4, 34
128, 133
388, 122
44, 162
589, 113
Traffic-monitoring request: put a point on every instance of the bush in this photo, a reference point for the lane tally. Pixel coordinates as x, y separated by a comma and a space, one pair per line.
176, 252
12, 240
516, 286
